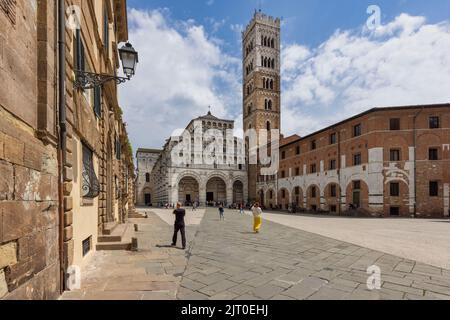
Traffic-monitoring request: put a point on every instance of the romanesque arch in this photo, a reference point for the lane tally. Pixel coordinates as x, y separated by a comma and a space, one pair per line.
216, 190
238, 192
357, 195
283, 198
332, 194
297, 196
188, 190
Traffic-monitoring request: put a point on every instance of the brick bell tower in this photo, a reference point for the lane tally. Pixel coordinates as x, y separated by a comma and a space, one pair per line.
261, 82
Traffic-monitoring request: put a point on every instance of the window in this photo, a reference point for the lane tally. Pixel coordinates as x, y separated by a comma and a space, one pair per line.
357, 130
86, 246
79, 55
147, 177
119, 149
313, 192
90, 185
98, 101
283, 155
357, 159
433, 154
357, 185
283, 174
394, 124
333, 191
106, 31
332, 165
313, 145
434, 122
394, 211
297, 150
434, 189
313, 168
394, 155
395, 189
297, 171
333, 138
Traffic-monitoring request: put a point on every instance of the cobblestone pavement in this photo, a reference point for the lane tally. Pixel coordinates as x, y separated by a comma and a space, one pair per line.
152, 273
424, 240
228, 261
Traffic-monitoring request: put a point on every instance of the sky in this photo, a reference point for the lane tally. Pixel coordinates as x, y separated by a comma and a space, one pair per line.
332, 65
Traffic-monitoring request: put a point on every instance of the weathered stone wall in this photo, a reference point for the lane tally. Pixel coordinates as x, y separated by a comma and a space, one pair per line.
29, 259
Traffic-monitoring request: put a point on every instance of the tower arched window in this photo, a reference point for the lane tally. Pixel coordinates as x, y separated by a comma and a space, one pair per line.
271, 84
147, 177
273, 63
272, 43
269, 104
266, 105
262, 40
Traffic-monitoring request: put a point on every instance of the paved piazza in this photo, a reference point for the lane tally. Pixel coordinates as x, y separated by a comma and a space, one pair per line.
226, 260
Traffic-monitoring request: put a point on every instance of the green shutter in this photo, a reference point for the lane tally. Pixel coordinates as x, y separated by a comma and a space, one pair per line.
98, 101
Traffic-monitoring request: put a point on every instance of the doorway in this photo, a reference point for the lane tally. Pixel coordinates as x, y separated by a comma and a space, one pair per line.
210, 196
148, 199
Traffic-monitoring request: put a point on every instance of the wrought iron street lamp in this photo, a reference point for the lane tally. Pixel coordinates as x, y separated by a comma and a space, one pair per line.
89, 80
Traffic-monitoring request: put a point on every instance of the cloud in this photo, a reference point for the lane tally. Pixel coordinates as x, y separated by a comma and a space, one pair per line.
181, 72
210, 2
405, 62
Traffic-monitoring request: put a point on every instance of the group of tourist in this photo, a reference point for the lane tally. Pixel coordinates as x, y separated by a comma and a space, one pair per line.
180, 213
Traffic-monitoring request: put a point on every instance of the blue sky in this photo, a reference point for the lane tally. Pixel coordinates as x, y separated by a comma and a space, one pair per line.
331, 67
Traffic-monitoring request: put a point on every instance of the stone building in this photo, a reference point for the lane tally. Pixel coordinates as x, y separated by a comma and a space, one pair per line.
58, 193
145, 161
261, 45
188, 175
384, 162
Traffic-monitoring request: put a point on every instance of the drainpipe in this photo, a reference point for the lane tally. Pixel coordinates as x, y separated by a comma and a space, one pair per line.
415, 158
62, 132
339, 172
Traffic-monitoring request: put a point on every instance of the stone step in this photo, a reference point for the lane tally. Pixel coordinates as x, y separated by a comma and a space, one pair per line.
136, 215
119, 245
109, 228
110, 238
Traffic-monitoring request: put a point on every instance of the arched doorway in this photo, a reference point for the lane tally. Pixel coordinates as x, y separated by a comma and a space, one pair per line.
332, 197
313, 198
238, 192
188, 191
216, 191
297, 197
147, 194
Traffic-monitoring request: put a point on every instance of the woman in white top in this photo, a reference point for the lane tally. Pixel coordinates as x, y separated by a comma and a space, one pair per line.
257, 220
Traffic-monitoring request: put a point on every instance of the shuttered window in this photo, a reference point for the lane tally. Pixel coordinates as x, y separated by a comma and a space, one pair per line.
98, 101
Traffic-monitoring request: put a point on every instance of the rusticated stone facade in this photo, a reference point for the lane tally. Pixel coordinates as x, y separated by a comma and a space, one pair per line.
366, 163
32, 262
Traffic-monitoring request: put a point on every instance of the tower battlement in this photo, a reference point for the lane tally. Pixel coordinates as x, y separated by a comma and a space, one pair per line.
262, 18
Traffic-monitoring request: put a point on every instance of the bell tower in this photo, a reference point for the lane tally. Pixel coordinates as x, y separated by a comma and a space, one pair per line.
261, 81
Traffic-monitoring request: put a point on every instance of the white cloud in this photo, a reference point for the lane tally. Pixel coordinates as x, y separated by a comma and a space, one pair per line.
405, 62
180, 72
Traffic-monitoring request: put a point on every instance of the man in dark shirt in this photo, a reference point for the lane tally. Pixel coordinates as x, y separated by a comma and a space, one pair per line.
179, 226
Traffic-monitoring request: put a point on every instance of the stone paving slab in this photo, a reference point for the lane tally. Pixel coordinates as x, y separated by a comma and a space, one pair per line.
286, 263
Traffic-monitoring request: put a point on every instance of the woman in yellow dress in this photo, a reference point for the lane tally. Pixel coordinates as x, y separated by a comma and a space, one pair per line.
257, 220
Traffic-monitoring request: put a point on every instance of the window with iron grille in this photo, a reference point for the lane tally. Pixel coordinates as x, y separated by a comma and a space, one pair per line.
86, 246
90, 185
98, 101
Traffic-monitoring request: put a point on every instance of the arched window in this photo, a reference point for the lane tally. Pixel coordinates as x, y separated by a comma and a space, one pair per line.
265, 41
262, 40
271, 84
147, 177
264, 83
265, 62
249, 109
266, 105
273, 63
270, 104
273, 43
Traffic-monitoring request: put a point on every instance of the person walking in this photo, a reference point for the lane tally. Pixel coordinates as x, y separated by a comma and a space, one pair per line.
241, 208
257, 220
179, 226
221, 212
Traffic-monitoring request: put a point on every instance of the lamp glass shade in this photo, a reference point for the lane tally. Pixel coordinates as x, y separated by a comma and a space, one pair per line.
129, 58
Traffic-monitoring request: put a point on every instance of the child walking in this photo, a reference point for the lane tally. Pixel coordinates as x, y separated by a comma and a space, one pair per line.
221, 212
